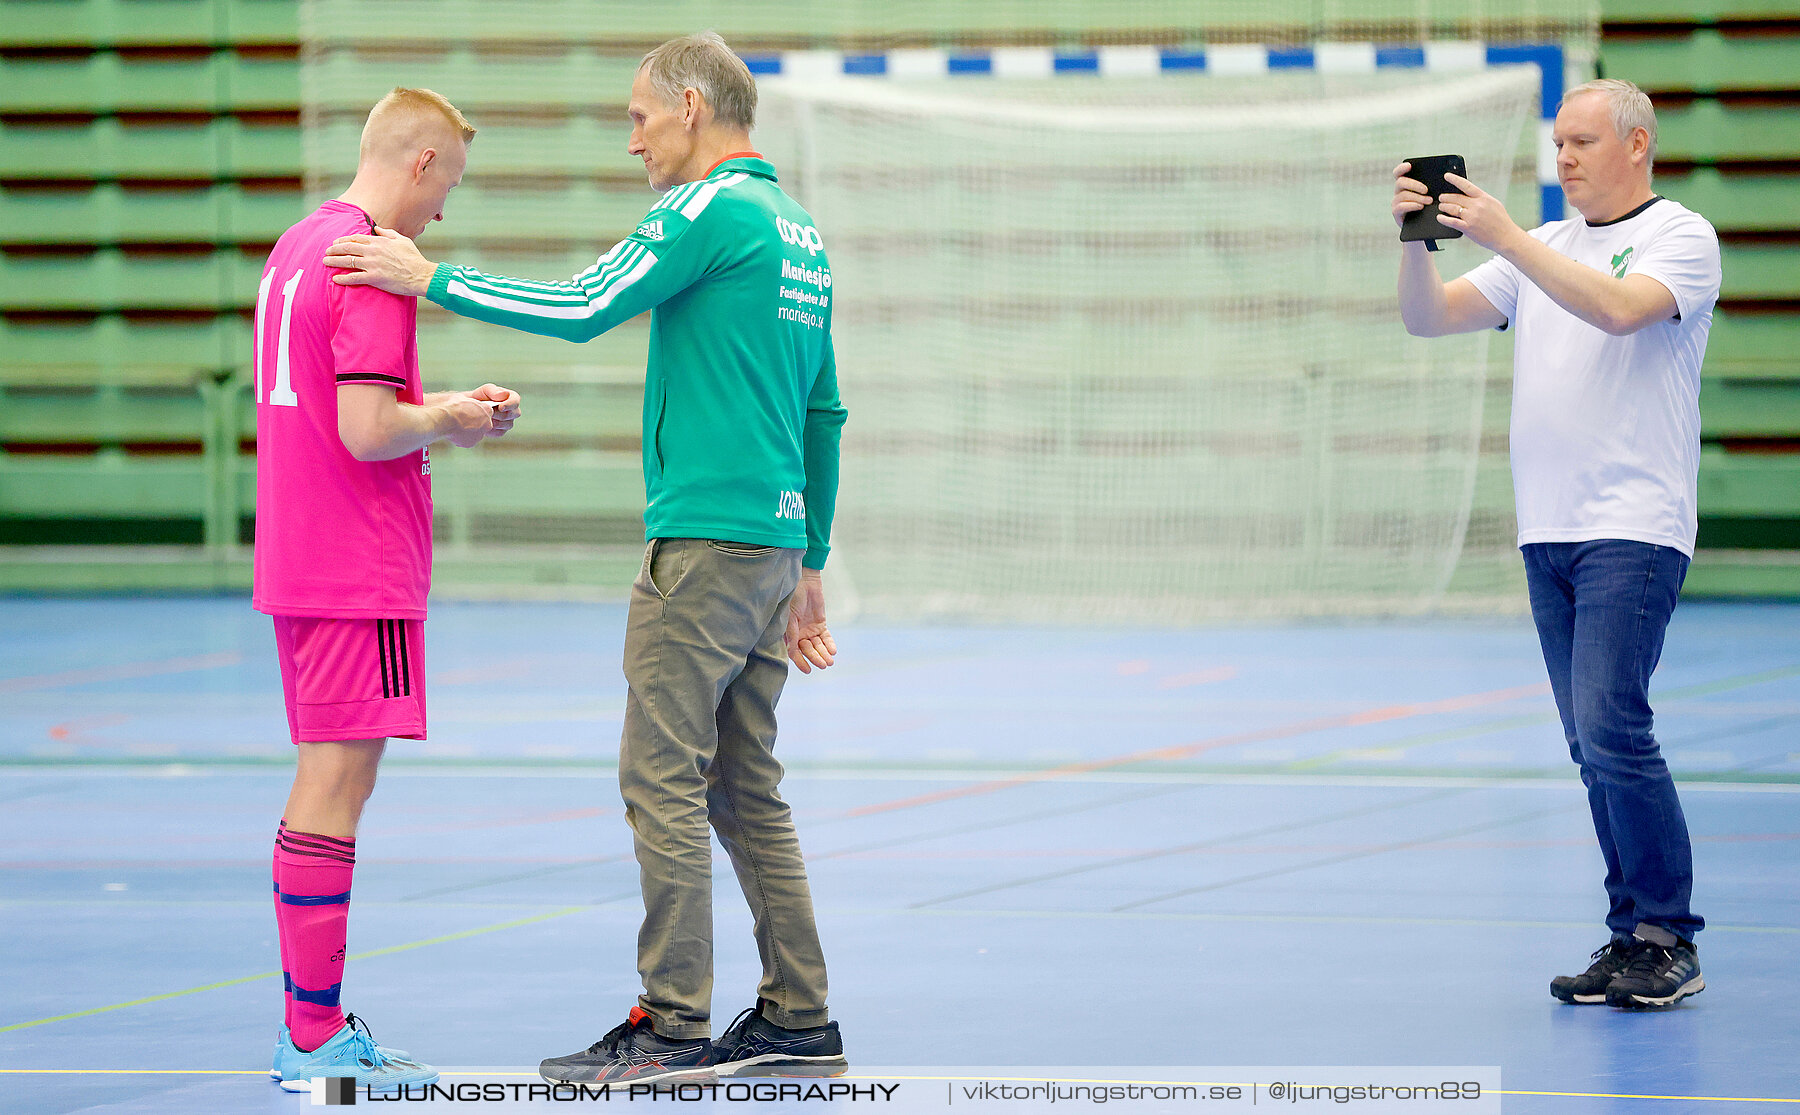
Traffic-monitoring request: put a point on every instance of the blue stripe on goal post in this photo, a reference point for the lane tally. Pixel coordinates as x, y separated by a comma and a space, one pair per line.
1143, 61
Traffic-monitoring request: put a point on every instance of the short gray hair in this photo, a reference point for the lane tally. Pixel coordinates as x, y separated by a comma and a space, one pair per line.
703, 62
1630, 109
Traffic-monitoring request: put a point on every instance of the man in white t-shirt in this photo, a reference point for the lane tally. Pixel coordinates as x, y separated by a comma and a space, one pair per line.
1612, 311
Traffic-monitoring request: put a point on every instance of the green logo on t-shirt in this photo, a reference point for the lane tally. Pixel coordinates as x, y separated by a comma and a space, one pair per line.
1620, 263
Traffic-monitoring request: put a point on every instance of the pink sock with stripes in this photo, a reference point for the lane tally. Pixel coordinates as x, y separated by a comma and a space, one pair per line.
281, 929
312, 910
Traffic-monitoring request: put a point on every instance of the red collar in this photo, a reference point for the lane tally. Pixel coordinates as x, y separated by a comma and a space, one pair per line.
728, 158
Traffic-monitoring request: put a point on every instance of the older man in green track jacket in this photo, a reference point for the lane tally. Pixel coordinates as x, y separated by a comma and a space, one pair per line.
741, 429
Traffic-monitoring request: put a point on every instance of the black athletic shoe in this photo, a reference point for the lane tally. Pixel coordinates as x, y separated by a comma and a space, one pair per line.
1658, 976
754, 1046
633, 1053
1590, 986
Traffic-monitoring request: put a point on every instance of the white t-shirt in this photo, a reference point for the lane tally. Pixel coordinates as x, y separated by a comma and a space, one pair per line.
1606, 430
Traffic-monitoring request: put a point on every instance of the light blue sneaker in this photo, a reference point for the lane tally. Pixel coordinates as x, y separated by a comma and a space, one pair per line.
350, 1052
284, 1041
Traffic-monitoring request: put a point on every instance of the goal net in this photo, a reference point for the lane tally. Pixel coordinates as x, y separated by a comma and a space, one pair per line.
1128, 350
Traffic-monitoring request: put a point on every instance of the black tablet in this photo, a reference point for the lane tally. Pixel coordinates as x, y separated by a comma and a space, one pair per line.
1423, 224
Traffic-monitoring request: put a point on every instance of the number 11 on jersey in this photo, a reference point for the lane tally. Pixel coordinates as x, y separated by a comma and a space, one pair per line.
281, 392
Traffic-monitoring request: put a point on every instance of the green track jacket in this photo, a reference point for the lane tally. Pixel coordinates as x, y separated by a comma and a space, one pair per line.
741, 408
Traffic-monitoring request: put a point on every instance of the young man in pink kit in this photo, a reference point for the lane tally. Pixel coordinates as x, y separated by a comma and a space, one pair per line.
343, 551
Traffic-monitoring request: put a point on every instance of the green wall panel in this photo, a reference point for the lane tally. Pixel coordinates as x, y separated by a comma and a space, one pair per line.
1705, 61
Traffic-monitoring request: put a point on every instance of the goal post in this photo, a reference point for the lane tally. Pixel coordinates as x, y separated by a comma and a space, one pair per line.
1128, 350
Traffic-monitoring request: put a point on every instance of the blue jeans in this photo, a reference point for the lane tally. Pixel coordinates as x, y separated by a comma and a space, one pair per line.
1601, 609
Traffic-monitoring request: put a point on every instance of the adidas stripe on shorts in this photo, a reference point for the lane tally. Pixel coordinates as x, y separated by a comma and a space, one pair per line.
352, 678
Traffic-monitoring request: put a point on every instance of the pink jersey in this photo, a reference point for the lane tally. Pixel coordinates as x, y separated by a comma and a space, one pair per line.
335, 536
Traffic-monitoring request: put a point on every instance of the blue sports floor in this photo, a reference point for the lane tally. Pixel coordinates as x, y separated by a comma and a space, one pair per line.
1307, 845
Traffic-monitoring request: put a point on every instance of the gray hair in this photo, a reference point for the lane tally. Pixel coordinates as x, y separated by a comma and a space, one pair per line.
1630, 109
704, 63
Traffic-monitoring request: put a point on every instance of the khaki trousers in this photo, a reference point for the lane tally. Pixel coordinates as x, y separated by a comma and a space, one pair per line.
705, 662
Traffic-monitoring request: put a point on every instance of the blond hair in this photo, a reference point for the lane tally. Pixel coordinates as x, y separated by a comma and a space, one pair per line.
705, 64
413, 116
1630, 108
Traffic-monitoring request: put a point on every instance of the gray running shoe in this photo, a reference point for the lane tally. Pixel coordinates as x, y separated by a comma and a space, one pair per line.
754, 1046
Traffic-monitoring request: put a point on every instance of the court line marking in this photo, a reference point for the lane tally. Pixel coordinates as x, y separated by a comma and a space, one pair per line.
387, 951
1753, 726
862, 911
1183, 751
1346, 857
1732, 780
926, 1079
1304, 919
988, 825
874, 850
1722, 685
1442, 735
134, 1072
1554, 780
1004, 855
1680, 693
537, 872
124, 671
75, 730
1181, 849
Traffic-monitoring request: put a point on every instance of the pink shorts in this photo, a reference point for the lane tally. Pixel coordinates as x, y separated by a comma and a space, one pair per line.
352, 678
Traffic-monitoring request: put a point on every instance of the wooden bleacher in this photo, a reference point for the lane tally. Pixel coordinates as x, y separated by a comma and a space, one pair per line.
1725, 75
151, 151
